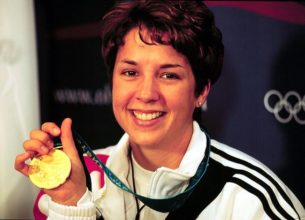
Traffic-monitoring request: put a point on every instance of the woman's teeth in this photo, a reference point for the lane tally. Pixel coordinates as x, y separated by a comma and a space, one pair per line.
147, 116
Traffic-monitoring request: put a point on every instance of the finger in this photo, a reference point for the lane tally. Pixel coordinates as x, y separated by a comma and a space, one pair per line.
67, 138
51, 128
43, 137
20, 164
35, 147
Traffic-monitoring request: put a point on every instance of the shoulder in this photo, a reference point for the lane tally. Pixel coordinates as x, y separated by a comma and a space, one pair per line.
236, 159
256, 180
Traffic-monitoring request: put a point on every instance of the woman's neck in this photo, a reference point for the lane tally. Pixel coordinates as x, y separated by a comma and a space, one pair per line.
168, 155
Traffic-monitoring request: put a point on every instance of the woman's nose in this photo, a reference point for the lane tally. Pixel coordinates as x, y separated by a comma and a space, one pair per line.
148, 90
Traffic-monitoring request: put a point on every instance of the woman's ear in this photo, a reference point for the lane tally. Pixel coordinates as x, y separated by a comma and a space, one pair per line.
203, 95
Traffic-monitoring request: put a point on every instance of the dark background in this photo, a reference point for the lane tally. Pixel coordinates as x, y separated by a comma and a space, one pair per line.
264, 51
71, 69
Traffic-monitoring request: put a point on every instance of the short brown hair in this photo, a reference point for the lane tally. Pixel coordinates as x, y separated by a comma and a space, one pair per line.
189, 25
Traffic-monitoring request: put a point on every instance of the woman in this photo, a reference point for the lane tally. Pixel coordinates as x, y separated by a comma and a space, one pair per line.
162, 57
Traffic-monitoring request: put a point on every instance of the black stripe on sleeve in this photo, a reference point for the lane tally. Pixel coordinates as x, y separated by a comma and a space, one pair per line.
263, 173
259, 194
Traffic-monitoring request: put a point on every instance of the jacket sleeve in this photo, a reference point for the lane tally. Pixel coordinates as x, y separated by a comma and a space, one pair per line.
41, 206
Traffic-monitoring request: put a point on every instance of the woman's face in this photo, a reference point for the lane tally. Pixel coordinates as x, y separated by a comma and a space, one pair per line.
153, 93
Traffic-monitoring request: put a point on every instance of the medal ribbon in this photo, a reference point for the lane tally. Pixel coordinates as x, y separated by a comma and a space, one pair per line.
161, 205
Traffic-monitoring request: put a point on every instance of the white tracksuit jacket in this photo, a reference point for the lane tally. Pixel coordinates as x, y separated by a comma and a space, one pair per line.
235, 186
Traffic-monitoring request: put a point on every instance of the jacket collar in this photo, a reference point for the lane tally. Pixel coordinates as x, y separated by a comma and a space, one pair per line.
164, 183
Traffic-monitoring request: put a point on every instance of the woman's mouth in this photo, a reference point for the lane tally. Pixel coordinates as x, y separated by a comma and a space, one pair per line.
144, 116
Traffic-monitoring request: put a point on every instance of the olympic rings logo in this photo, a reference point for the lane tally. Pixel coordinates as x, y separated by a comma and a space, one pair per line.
287, 107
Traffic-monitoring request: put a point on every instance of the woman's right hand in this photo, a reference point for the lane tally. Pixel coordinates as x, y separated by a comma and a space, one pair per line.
41, 142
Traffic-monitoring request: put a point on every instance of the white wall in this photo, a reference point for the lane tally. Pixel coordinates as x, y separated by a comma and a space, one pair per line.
19, 108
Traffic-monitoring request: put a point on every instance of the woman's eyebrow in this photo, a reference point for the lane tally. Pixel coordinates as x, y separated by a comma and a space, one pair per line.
130, 62
162, 66
170, 65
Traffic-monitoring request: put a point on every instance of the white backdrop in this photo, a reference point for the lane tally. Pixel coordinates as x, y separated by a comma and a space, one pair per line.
19, 111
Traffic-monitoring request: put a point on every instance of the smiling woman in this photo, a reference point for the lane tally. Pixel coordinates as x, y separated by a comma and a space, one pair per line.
162, 57
147, 79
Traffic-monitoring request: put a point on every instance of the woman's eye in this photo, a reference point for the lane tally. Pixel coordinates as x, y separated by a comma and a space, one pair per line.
130, 73
170, 76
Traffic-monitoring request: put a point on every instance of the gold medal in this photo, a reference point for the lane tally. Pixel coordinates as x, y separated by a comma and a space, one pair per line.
51, 170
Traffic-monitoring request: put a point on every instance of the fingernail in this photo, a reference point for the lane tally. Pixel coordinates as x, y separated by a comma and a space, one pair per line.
56, 130
44, 149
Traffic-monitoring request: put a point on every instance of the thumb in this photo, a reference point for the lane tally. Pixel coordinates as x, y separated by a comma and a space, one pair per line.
67, 138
